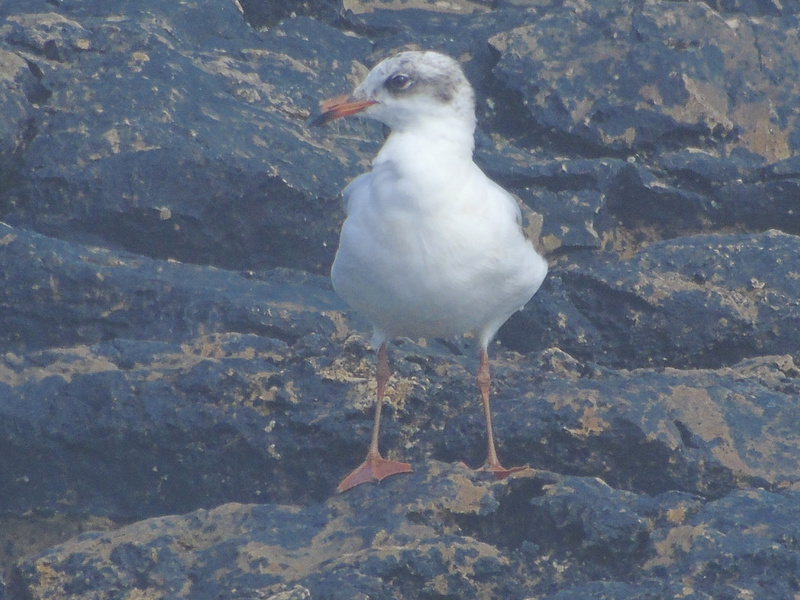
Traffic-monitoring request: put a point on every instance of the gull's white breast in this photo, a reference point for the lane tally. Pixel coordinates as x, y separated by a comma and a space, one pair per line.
433, 253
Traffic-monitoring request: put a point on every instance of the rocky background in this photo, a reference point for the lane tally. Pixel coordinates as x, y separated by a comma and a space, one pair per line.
181, 390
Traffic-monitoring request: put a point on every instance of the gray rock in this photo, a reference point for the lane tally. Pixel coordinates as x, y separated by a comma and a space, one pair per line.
19, 91
441, 532
188, 137
699, 301
626, 78
58, 294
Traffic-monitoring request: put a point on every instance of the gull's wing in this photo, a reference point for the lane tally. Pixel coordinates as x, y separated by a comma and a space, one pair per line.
355, 191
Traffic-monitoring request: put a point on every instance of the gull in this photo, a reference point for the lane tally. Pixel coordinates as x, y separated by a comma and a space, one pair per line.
430, 247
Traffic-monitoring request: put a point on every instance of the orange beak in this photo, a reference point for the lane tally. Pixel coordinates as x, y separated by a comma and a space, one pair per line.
341, 106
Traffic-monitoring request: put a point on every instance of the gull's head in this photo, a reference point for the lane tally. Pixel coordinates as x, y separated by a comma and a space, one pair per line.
408, 90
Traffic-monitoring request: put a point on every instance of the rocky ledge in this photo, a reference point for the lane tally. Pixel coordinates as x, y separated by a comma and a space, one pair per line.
181, 390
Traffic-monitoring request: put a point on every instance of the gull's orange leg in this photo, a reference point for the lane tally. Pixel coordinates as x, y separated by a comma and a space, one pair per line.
375, 467
492, 464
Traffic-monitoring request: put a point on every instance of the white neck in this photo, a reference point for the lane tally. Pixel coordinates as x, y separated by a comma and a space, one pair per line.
429, 141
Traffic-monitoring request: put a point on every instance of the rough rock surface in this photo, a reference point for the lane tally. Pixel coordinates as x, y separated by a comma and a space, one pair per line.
463, 538
181, 389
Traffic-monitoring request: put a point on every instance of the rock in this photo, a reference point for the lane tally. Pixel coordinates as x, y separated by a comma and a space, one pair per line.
135, 316
281, 416
652, 430
701, 301
154, 167
19, 90
89, 295
442, 532
621, 78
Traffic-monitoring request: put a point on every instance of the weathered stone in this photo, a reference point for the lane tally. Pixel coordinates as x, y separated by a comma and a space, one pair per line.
19, 90
440, 533
57, 294
699, 301
129, 154
656, 77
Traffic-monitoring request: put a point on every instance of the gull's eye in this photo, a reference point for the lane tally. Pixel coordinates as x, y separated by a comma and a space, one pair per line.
398, 82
